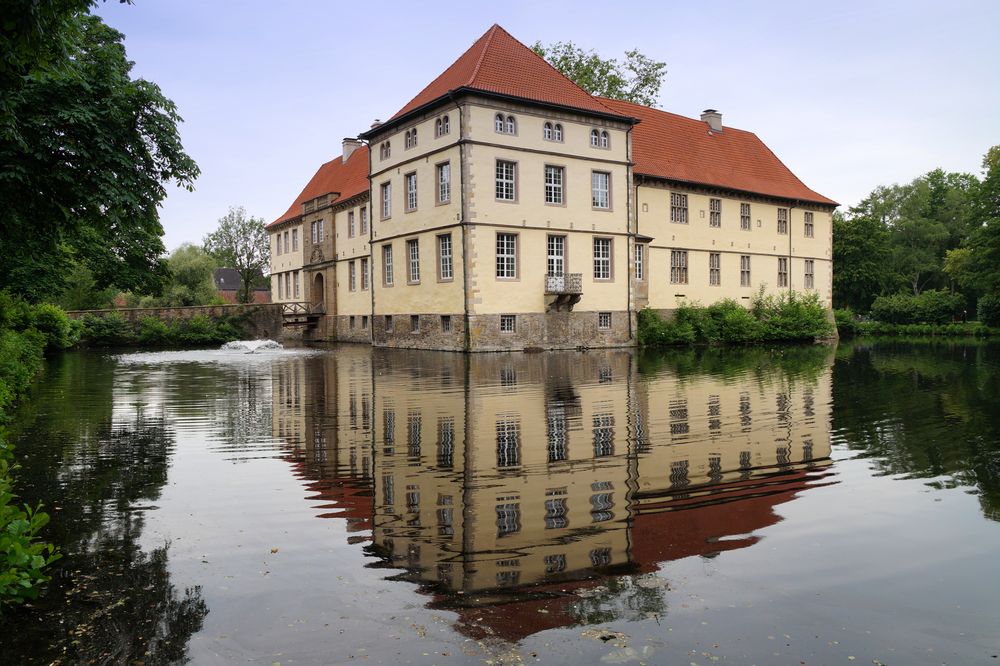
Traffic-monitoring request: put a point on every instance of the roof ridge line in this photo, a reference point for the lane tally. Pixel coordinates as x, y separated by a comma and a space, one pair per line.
482, 54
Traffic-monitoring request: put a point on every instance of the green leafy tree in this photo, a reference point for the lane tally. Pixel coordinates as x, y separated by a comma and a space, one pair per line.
636, 79
984, 239
860, 260
86, 151
191, 277
241, 242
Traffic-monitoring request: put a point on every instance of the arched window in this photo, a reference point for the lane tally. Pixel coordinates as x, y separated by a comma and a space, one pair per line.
498, 123
595, 138
442, 126
511, 125
547, 131
437, 127
558, 134
605, 141
388, 150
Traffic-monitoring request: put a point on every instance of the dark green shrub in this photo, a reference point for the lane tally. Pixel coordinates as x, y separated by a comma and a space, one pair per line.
929, 307
53, 323
790, 316
110, 330
154, 332
20, 360
847, 324
988, 310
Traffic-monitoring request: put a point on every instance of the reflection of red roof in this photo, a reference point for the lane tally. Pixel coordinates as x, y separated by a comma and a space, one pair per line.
348, 179
498, 63
666, 145
676, 528
347, 497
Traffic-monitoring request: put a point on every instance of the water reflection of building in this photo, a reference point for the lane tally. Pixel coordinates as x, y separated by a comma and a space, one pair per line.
513, 478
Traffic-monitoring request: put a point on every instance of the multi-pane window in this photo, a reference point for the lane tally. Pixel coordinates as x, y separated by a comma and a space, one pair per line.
602, 258
385, 150
286, 241
508, 323
810, 274
552, 132
599, 139
352, 276
640, 261
554, 184
445, 262
442, 126
277, 244
745, 216
412, 134
782, 220
556, 513
605, 140
678, 208
782, 271
350, 224
387, 265
714, 269
413, 253
296, 278
411, 191
386, 200
810, 229
508, 443
444, 182
556, 259
678, 267
600, 187
508, 519
364, 221
317, 233
604, 435
295, 240
744, 270
557, 431
505, 125
414, 323
506, 255
715, 212
364, 273
603, 320
506, 187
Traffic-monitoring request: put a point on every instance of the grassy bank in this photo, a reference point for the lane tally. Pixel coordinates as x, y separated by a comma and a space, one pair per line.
26, 333
789, 317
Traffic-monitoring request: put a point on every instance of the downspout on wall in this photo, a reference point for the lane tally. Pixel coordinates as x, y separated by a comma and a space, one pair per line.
467, 334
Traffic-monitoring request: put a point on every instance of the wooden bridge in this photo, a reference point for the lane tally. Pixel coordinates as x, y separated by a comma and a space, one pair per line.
301, 314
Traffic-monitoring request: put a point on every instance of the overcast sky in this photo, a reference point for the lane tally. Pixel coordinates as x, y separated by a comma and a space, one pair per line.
850, 95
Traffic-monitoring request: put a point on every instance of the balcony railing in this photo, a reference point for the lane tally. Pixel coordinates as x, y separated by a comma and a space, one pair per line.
567, 283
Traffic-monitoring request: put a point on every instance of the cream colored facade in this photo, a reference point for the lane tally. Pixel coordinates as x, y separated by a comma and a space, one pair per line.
287, 259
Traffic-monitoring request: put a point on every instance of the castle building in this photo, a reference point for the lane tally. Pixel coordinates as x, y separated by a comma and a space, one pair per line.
504, 207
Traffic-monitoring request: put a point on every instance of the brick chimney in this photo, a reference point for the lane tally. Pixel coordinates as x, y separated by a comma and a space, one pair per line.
713, 118
350, 145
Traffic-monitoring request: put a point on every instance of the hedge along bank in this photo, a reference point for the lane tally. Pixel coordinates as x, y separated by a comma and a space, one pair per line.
790, 317
26, 333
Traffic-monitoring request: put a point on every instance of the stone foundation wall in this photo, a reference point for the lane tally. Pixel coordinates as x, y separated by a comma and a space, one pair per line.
431, 333
342, 331
552, 330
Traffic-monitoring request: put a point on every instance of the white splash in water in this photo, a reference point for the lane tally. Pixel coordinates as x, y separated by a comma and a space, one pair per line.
251, 346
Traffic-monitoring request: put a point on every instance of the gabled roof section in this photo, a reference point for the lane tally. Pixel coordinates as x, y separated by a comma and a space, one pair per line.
666, 145
348, 179
498, 63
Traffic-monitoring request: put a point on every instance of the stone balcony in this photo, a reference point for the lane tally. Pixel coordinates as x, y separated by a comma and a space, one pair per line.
563, 291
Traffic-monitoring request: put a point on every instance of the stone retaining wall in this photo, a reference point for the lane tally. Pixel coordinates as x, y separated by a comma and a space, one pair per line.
257, 320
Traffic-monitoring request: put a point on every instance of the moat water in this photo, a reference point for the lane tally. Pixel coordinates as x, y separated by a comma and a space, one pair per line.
813, 505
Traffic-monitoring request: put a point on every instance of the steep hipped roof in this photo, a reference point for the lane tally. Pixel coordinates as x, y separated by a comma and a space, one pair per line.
498, 63
666, 145
348, 179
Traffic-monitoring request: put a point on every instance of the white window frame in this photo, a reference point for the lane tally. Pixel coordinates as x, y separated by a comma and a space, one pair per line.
600, 190
410, 181
782, 271
640, 261
508, 323
352, 276
444, 182
678, 208
746, 221
295, 240
604, 321
555, 178
603, 252
446, 260
809, 281
809, 230
387, 200
555, 262
350, 224
783, 221
506, 256
364, 220
387, 275
745, 280
506, 180
715, 269
715, 213
413, 261
364, 273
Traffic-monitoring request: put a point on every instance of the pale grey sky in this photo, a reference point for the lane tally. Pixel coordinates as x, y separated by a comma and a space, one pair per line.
850, 95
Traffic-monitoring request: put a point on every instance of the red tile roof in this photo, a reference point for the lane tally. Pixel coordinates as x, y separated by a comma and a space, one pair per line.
498, 63
348, 178
666, 145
